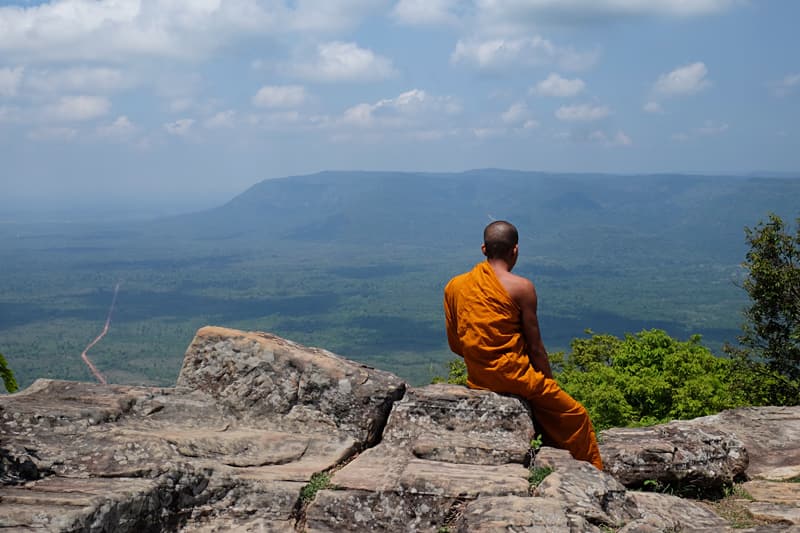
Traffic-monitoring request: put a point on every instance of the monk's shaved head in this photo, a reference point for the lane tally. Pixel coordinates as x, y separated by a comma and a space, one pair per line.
500, 238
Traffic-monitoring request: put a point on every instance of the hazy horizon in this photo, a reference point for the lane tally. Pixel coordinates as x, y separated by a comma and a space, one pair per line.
121, 208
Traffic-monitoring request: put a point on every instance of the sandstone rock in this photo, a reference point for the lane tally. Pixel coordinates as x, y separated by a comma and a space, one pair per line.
520, 514
771, 435
417, 475
664, 512
584, 490
453, 424
253, 419
260, 378
684, 453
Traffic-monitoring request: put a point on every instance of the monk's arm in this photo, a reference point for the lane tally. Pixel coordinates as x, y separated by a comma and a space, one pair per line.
530, 328
450, 324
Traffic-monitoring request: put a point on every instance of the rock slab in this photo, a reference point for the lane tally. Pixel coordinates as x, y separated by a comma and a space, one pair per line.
252, 419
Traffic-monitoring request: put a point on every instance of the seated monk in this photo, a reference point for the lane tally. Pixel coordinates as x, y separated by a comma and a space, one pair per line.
492, 323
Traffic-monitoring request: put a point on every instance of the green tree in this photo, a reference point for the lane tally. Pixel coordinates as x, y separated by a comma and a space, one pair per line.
768, 369
646, 378
8, 376
456, 375
641, 379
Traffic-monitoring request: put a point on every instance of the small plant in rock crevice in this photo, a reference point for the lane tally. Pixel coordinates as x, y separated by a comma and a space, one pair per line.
318, 482
536, 475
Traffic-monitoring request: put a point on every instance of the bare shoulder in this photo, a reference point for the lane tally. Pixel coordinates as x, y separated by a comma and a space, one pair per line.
520, 289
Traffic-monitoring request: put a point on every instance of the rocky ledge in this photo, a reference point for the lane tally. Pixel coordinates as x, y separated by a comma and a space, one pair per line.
263, 434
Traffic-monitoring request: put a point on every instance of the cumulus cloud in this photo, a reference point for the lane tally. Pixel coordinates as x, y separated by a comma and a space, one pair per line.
10, 79
184, 29
411, 107
600, 137
77, 79
786, 86
72, 29
506, 53
222, 119
338, 61
426, 12
688, 79
321, 16
582, 113
653, 107
516, 114
527, 13
555, 85
272, 96
121, 128
53, 134
78, 108
709, 128
179, 127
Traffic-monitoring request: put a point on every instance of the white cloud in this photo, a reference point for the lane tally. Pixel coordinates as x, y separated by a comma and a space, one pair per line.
688, 79
426, 12
409, 108
516, 114
508, 53
272, 96
10, 79
582, 112
76, 108
73, 29
338, 61
78, 79
518, 14
53, 134
653, 107
555, 85
709, 128
222, 119
179, 127
782, 88
601, 137
90, 30
622, 139
322, 16
121, 128
488, 133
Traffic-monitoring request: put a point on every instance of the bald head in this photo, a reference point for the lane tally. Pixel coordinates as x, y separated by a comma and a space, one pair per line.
499, 239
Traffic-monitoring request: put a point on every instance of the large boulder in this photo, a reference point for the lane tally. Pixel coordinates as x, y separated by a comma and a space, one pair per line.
443, 444
260, 378
682, 453
252, 419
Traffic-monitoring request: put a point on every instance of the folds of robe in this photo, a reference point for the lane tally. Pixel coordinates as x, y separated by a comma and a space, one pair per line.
484, 326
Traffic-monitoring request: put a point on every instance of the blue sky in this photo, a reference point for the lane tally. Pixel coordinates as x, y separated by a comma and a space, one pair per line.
188, 102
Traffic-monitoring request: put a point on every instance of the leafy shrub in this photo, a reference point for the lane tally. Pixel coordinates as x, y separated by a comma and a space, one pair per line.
645, 379
457, 373
8, 377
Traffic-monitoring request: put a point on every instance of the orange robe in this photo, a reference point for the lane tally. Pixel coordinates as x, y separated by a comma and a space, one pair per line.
484, 327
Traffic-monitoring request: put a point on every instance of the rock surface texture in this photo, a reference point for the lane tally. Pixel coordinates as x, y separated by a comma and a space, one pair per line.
262, 434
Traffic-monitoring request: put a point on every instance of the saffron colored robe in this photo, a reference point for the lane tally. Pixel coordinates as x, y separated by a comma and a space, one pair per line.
484, 326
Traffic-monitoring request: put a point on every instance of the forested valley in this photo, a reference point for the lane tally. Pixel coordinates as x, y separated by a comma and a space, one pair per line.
355, 262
